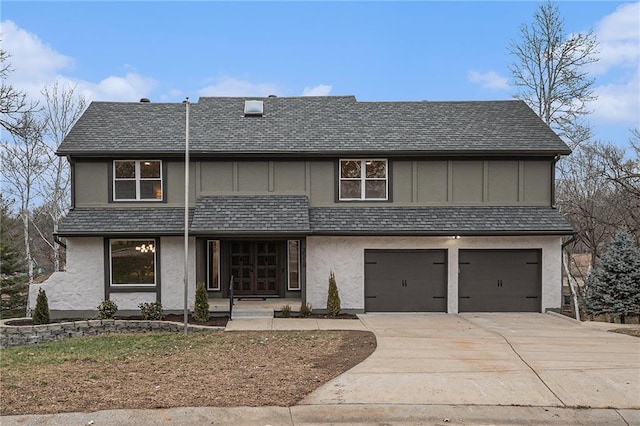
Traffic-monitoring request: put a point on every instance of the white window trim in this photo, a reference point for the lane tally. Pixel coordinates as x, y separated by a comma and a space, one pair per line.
299, 288
155, 263
363, 179
137, 179
209, 287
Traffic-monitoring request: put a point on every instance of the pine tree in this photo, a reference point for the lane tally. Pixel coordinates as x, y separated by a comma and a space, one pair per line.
333, 298
41, 312
201, 309
613, 287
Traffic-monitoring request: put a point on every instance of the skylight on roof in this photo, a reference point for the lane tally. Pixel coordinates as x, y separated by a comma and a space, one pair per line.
253, 108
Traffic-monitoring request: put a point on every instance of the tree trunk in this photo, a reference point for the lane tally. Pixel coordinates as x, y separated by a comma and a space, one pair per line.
27, 254
572, 286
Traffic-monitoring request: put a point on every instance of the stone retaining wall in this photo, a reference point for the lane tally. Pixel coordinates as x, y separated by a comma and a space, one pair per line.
20, 335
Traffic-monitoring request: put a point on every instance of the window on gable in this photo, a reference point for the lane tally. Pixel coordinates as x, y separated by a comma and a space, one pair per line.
363, 179
133, 262
136, 180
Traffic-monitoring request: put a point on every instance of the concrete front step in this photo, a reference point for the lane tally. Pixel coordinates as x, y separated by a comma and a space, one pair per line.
254, 312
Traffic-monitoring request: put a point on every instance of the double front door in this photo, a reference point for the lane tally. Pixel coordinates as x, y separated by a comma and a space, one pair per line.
254, 266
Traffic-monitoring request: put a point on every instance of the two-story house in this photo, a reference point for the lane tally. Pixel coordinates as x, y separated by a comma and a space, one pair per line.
415, 206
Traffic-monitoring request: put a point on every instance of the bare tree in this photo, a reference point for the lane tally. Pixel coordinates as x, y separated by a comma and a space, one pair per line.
622, 171
550, 72
585, 197
62, 108
23, 162
599, 191
13, 102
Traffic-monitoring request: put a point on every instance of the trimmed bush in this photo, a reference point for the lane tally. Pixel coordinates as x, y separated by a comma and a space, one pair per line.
305, 310
333, 298
285, 311
41, 312
151, 311
201, 308
107, 309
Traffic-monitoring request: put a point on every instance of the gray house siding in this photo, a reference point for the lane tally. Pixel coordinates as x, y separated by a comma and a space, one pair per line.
417, 182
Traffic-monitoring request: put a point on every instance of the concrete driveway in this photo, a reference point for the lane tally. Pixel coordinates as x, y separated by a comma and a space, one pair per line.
490, 359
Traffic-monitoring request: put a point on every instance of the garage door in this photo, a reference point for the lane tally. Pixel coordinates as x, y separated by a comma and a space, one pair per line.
405, 281
499, 281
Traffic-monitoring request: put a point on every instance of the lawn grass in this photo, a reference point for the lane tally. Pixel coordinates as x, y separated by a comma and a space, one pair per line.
110, 348
161, 370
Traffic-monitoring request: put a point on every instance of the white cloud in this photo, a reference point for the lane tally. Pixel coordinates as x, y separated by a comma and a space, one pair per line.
36, 65
231, 86
319, 90
618, 35
30, 58
618, 71
488, 80
130, 88
618, 103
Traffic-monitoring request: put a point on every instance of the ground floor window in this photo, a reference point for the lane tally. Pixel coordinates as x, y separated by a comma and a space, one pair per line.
133, 261
213, 265
293, 256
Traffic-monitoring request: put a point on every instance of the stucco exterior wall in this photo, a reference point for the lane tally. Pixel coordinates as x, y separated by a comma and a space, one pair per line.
345, 257
81, 287
172, 270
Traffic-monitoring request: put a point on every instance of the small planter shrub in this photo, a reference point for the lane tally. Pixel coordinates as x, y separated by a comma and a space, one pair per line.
107, 309
201, 308
41, 312
333, 298
285, 311
151, 311
305, 310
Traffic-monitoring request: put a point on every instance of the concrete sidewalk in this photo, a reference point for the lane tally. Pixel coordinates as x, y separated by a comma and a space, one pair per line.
338, 414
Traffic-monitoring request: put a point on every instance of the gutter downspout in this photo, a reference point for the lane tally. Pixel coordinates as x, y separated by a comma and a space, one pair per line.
553, 180
57, 239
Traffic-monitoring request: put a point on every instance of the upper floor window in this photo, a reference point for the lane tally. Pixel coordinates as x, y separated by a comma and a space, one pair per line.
135, 180
363, 179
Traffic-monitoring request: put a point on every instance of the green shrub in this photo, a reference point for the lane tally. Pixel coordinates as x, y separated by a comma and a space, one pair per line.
285, 311
13, 303
41, 312
613, 286
201, 308
333, 298
151, 311
305, 310
107, 309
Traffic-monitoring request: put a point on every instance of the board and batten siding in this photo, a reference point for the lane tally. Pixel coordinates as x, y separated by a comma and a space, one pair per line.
418, 182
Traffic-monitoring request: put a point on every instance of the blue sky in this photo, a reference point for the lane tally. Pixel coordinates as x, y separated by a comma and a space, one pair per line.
374, 50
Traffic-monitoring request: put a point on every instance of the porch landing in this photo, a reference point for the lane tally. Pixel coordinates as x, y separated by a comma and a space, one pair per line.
253, 308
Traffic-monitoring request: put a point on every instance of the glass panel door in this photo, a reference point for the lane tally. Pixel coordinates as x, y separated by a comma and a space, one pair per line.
254, 266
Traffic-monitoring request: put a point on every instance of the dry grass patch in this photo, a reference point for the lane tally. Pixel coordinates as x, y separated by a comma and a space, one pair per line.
164, 370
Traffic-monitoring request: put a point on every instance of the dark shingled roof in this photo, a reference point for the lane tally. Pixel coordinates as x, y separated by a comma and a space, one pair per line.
330, 125
438, 221
291, 215
254, 214
124, 220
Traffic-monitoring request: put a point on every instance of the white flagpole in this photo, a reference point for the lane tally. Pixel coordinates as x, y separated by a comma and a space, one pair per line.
186, 218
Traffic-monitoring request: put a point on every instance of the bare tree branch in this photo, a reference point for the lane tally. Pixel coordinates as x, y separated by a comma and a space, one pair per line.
549, 72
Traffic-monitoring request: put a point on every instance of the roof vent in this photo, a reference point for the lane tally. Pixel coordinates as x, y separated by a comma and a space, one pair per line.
145, 100
253, 108
273, 96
